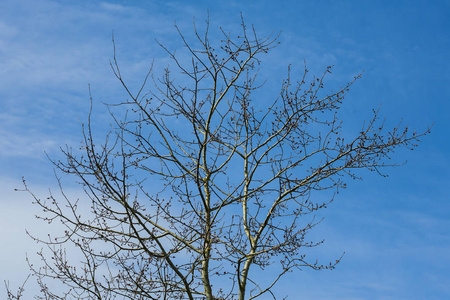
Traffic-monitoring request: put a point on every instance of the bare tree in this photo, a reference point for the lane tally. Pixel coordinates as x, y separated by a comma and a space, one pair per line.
197, 186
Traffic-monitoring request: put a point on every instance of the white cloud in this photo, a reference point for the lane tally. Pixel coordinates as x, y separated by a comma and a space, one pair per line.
6, 32
28, 145
16, 215
113, 6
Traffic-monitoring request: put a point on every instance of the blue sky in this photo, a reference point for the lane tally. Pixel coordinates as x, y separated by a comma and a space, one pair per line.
395, 231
